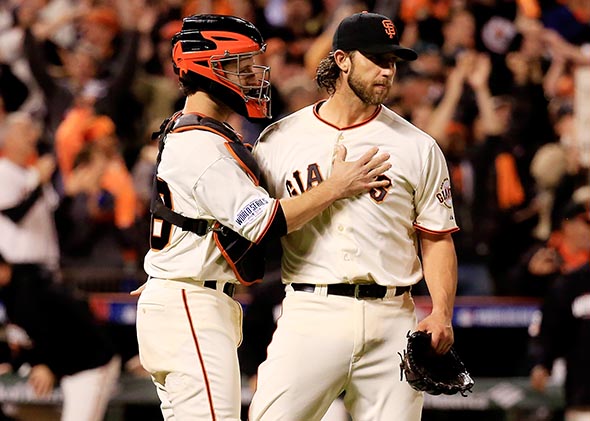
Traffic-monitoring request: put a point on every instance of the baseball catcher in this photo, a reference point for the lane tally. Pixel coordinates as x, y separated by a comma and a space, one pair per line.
433, 373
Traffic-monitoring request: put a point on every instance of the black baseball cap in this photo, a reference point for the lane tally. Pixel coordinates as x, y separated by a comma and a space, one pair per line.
370, 33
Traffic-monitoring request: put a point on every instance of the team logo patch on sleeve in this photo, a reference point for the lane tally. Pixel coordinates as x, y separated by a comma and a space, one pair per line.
444, 194
251, 211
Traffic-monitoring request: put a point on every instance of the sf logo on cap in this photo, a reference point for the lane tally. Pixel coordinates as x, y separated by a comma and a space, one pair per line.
389, 28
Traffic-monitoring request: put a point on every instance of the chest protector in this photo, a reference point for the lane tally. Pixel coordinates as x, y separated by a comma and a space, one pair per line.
244, 257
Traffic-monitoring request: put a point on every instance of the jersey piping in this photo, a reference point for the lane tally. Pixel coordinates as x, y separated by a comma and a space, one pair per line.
316, 109
451, 230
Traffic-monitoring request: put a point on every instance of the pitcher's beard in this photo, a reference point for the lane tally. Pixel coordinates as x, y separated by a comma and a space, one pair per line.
367, 94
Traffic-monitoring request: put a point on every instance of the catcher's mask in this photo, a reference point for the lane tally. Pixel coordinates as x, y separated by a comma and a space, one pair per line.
216, 53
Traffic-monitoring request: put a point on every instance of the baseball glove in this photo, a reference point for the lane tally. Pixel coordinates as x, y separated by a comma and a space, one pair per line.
433, 373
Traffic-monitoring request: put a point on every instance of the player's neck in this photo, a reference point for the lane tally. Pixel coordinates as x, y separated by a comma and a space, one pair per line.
343, 111
202, 103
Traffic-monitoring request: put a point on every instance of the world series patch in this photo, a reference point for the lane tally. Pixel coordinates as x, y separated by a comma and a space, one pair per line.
251, 211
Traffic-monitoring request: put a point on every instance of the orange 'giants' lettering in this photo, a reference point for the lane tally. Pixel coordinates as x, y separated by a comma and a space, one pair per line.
314, 177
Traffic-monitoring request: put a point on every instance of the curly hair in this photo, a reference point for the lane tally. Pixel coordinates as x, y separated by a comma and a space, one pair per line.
186, 82
327, 74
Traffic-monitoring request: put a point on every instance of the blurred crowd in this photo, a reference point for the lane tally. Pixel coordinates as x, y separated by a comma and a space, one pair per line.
499, 84
502, 85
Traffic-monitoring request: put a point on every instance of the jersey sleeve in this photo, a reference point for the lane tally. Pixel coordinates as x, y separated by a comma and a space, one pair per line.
19, 191
433, 198
230, 196
260, 151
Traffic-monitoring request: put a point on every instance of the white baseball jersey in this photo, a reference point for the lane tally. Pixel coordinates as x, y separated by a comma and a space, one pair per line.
33, 239
188, 334
369, 237
204, 182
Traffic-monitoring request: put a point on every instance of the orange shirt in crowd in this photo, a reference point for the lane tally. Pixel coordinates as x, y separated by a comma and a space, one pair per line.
571, 259
79, 126
118, 181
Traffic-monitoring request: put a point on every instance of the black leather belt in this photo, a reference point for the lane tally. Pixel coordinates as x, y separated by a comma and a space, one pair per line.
228, 288
354, 290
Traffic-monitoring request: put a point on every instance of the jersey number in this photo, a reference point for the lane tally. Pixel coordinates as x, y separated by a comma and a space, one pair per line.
378, 194
160, 230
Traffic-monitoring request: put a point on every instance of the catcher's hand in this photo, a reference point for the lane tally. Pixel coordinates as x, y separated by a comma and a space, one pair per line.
433, 373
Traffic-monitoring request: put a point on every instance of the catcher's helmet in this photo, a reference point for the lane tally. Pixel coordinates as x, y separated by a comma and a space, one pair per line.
205, 52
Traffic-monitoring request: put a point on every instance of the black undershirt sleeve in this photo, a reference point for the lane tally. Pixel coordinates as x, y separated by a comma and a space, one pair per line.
277, 228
